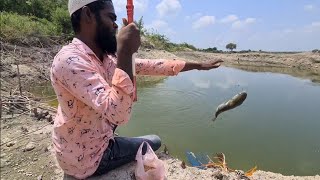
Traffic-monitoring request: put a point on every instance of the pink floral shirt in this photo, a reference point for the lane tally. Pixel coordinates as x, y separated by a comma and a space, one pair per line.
93, 97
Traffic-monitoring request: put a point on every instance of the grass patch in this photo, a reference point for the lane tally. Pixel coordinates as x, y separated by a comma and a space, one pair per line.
14, 27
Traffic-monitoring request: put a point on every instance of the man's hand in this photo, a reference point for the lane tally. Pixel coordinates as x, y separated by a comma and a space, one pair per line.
202, 66
210, 65
128, 38
128, 42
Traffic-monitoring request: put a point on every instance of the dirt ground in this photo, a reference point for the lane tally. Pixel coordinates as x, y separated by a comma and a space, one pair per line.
26, 151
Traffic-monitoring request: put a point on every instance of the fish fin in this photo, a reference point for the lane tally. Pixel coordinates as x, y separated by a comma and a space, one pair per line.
214, 119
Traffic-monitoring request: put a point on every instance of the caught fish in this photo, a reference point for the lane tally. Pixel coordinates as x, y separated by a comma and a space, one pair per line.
237, 100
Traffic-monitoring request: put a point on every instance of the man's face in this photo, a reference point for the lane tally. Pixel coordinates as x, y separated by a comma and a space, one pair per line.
106, 29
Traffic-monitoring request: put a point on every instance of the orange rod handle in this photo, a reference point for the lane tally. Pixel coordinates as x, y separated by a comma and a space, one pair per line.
130, 12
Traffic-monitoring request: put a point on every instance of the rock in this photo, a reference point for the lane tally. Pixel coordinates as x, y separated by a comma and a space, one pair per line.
49, 119
24, 130
11, 144
29, 147
39, 177
46, 149
3, 155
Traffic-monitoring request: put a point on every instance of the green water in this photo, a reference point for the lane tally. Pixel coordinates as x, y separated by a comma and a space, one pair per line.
277, 128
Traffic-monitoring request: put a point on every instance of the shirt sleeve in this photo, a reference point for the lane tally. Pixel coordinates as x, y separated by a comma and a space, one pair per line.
82, 79
159, 67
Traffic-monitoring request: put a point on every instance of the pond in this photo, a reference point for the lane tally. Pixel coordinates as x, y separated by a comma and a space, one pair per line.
277, 128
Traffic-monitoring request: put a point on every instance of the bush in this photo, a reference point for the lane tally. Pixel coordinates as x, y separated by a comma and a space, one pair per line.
61, 18
316, 51
37, 8
14, 26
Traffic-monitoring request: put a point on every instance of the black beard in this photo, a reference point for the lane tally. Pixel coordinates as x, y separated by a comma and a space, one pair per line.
105, 39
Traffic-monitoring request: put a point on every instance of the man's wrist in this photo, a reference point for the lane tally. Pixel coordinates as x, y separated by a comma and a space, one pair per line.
124, 62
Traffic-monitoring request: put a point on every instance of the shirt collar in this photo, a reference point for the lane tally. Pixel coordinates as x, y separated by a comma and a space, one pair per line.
82, 46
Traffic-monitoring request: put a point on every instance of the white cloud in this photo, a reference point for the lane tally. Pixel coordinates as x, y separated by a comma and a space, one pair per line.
203, 22
314, 26
194, 16
160, 26
229, 19
309, 7
286, 31
250, 20
139, 5
157, 24
242, 24
290, 39
168, 7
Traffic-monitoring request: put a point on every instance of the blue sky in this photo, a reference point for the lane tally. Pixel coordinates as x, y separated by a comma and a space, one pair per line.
273, 25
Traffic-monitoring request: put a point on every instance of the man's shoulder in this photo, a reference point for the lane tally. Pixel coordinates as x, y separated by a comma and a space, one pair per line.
69, 51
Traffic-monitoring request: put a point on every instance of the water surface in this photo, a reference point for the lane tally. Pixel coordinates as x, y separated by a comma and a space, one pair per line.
277, 128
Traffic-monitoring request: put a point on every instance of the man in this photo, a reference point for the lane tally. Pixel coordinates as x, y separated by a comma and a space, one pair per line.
92, 77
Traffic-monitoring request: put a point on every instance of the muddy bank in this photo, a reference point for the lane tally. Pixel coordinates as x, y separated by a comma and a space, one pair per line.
302, 65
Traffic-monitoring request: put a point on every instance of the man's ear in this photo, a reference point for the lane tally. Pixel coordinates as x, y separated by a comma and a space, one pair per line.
87, 15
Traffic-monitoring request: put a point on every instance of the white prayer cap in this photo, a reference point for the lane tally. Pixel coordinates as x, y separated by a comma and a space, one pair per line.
74, 5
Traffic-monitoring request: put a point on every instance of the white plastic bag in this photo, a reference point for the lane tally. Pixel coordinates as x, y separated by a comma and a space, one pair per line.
149, 167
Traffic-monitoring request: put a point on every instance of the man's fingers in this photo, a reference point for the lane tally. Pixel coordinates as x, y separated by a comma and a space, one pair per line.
217, 61
125, 21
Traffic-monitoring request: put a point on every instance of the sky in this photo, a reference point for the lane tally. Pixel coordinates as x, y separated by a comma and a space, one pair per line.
270, 25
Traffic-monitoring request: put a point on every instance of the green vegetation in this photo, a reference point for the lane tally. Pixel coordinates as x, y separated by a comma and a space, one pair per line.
38, 22
14, 26
37, 8
34, 22
159, 41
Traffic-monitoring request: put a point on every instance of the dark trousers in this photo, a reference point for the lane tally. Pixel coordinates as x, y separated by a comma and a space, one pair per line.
123, 150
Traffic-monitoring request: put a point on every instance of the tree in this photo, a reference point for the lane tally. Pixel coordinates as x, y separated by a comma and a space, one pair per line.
231, 46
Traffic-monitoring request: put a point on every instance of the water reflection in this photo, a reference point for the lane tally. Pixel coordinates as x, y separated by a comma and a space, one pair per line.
276, 128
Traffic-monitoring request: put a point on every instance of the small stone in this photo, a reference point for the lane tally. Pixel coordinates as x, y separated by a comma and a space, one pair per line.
30, 146
35, 159
39, 177
56, 171
3, 155
183, 165
11, 144
24, 130
46, 149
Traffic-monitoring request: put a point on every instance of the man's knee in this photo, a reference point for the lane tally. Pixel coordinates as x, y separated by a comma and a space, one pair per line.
154, 141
